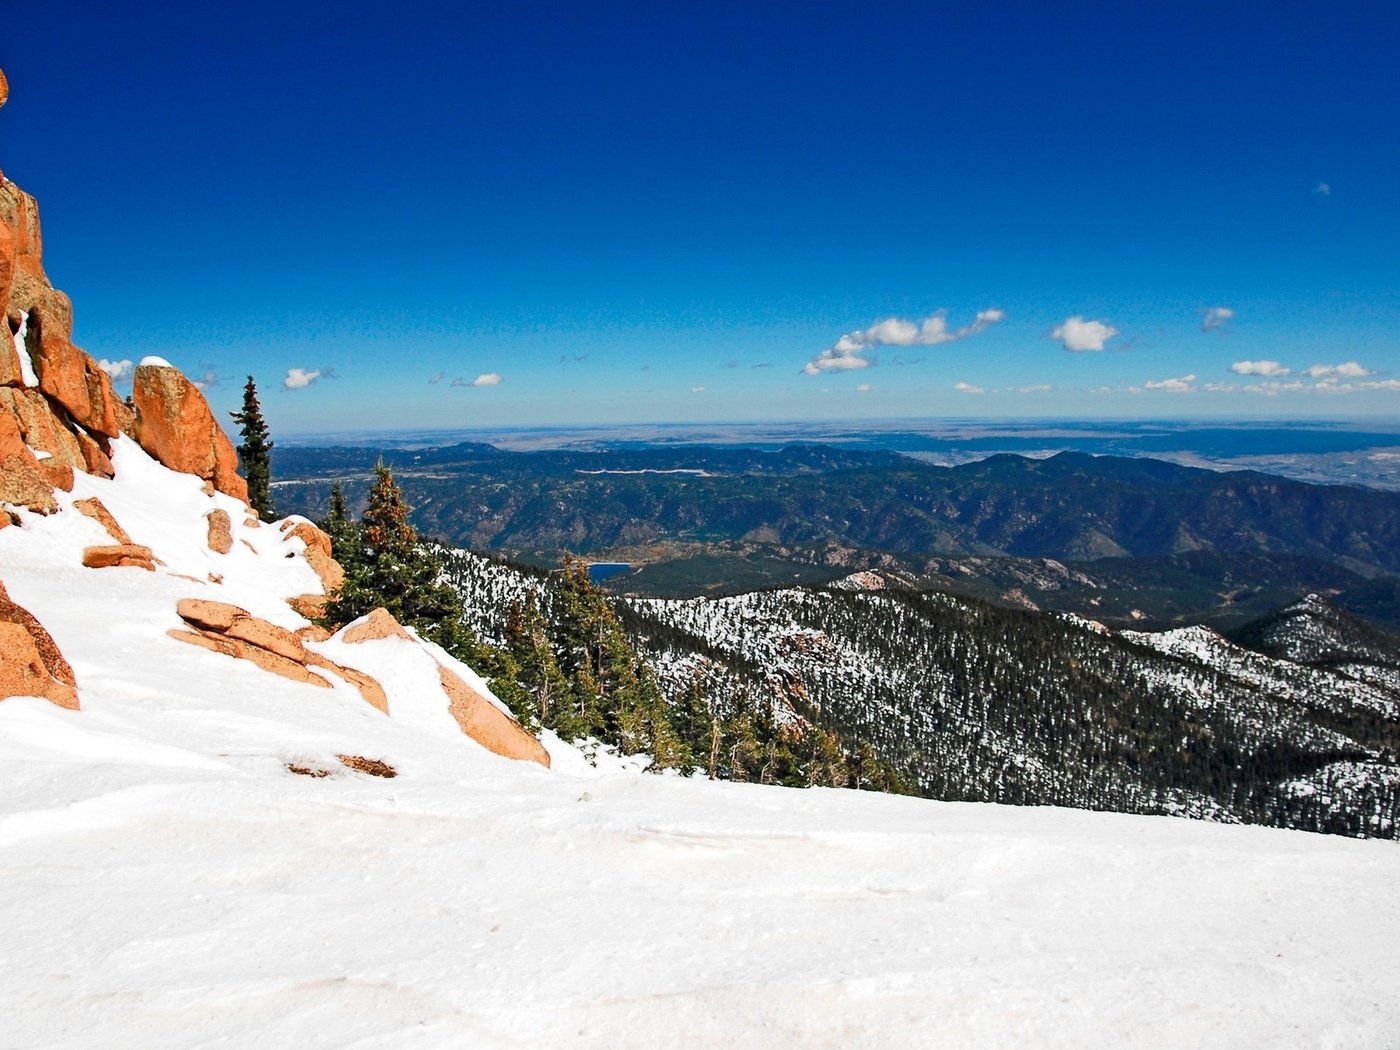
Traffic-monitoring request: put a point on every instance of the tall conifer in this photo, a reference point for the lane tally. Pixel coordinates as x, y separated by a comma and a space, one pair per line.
387, 566
255, 453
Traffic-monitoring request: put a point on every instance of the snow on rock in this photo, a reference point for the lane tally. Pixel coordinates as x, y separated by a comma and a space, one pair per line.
26, 364
427, 687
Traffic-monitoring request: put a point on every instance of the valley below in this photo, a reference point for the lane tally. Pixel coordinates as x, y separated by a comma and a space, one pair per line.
1128, 541
1091, 631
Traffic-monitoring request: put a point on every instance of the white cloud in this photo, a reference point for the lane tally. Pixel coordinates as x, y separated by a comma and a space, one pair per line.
1172, 386
1220, 388
1324, 189
300, 377
864, 388
1216, 317
487, 379
115, 369
969, 388
1080, 335
834, 360
1035, 388
1331, 386
894, 331
1346, 370
1274, 388
697, 390
1267, 369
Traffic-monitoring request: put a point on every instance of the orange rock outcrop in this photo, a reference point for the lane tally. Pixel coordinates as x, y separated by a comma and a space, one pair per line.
377, 625
227, 629
119, 555
64, 404
30, 661
22, 482
487, 724
174, 424
94, 509
220, 531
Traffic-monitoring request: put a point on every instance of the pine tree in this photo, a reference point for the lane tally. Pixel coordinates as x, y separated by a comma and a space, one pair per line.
527, 641
695, 725
345, 534
337, 516
255, 453
387, 566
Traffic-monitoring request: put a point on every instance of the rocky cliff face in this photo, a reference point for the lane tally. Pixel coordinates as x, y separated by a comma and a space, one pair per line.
90, 483
63, 404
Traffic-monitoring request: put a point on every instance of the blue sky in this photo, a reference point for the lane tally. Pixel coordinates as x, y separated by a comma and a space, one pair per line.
705, 212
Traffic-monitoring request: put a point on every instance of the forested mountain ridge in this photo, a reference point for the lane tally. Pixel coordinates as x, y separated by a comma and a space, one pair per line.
1133, 539
812, 504
960, 699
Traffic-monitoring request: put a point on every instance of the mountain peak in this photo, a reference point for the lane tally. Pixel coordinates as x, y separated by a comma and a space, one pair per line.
1315, 630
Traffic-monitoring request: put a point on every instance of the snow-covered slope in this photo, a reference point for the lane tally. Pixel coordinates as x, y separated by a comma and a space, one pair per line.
113, 623
170, 881
179, 888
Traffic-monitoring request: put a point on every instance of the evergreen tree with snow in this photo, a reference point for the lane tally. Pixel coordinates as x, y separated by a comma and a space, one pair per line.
255, 452
527, 641
344, 533
386, 565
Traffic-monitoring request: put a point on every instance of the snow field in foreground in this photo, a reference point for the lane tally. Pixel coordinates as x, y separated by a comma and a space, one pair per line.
161, 897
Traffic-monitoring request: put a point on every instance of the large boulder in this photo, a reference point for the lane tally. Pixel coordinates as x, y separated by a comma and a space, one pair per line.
22, 482
119, 556
19, 214
175, 426
71, 378
487, 724
30, 661
378, 625
235, 632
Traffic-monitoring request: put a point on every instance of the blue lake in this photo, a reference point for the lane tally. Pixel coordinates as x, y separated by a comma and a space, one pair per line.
601, 570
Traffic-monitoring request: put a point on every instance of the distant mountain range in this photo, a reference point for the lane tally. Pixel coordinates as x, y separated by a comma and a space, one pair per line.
1136, 539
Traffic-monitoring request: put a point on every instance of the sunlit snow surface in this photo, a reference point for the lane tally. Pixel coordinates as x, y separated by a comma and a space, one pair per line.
167, 882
